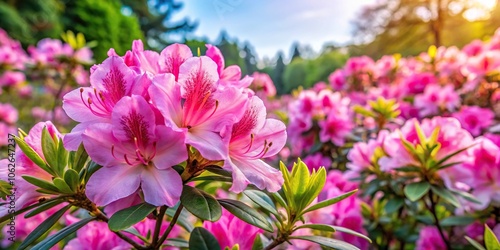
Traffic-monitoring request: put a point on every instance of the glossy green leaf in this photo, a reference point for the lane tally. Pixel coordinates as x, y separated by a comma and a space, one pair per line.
40, 183
474, 243
257, 243
180, 243
490, 240
246, 214
5, 189
62, 157
456, 221
51, 240
352, 232
320, 227
41, 229
183, 219
80, 158
415, 191
202, 239
128, 217
33, 156
46, 206
329, 202
262, 199
200, 203
466, 196
394, 205
327, 242
446, 194
62, 186
72, 179
49, 149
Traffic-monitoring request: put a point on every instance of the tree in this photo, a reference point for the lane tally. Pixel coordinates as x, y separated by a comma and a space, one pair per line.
154, 19
112, 29
295, 51
250, 60
277, 75
409, 27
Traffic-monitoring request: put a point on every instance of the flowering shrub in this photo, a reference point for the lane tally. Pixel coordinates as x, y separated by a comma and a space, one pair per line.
170, 150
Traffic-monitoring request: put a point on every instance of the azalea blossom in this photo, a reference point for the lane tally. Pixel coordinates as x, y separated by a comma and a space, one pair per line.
135, 153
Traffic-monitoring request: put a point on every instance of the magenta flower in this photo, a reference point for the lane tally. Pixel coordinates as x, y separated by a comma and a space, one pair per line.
229, 76
229, 231
263, 82
484, 172
317, 160
436, 98
172, 57
110, 81
95, 236
337, 80
415, 83
135, 154
430, 239
196, 106
475, 119
252, 138
336, 127
361, 156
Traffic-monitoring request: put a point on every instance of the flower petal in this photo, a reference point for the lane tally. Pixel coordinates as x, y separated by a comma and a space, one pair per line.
161, 187
110, 184
171, 149
256, 172
172, 57
166, 97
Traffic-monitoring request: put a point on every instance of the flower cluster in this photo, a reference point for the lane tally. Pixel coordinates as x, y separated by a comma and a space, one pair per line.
146, 112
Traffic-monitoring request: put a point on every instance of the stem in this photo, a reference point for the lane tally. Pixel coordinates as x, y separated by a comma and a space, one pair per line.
170, 226
276, 242
438, 226
159, 221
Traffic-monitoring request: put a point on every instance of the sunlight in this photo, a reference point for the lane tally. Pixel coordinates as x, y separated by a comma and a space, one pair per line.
480, 9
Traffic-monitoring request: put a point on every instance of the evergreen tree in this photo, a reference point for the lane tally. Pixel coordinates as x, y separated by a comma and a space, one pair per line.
277, 75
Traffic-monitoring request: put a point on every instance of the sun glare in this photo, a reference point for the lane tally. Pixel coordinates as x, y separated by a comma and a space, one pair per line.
480, 9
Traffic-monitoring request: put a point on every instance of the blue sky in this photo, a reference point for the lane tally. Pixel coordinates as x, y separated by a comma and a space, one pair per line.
272, 25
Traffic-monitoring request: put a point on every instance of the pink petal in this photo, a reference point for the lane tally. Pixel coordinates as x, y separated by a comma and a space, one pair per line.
232, 106
209, 143
161, 187
256, 172
98, 141
110, 184
114, 78
215, 54
231, 73
73, 140
166, 96
171, 149
172, 57
75, 104
274, 131
133, 119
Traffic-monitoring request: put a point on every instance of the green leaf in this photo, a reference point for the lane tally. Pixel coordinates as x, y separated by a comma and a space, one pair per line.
33, 155
50, 152
212, 178
45, 226
456, 221
490, 240
466, 196
202, 239
257, 243
46, 206
92, 167
62, 157
277, 196
5, 189
180, 243
246, 214
394, 205
446, 195
320, 227
415, 191
200, 203
352, 232
62, 186
40, 183
128, 217
314, 186
51, 240
72, 179
326, 242
22, 210
329, 202
474, 243
219, 171
81, 157
262, 199
444, 159
182, 221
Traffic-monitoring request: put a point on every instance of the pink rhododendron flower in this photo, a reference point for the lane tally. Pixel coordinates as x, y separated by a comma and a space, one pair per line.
416, 83
262, 81
484, 172
252, 138
336, 127
430, 239
196, 106
95, 235
8, 113
436, 98
317, 160
110, 81
474, 119
361, 156
229, 231
135, 153
337, 79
